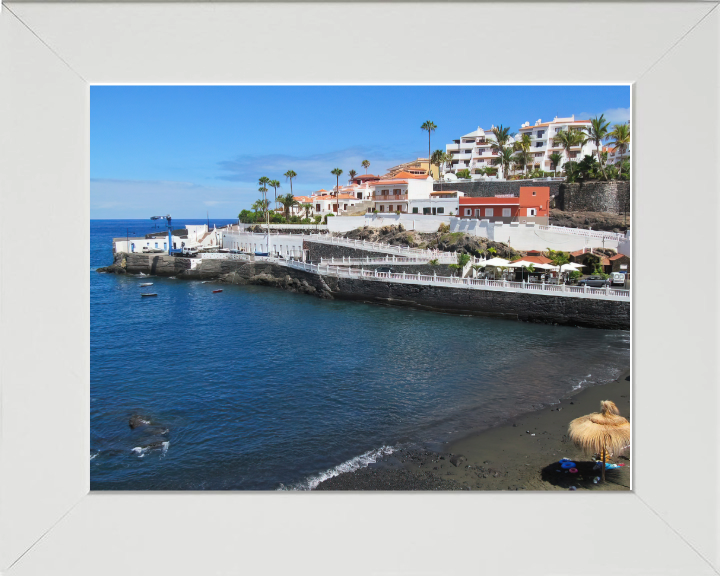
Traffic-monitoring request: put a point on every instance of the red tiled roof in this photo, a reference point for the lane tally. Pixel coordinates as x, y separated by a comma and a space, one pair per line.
534, 259
389, 182
618, 256
405, 174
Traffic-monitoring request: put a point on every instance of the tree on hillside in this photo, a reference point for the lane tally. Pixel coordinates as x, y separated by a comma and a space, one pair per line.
337, 172
275, 184
620, 140
430, 127
597, 132
352, 175
555, 158
568, 139
290, 174
308, 209
288, 201
264, 181
366, 165
504, 159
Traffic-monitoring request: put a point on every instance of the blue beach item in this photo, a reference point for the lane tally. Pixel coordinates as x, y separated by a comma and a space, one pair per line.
567, 465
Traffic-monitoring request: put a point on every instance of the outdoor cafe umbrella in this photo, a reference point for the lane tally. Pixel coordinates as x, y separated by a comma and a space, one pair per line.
604, 432
496, 262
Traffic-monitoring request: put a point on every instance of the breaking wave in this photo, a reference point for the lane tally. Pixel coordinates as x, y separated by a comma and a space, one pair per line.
142, 450
356, 463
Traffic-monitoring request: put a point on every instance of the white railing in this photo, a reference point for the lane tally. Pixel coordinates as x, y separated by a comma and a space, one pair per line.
389, 259
224, 256
581, 232
384, 247
469, 283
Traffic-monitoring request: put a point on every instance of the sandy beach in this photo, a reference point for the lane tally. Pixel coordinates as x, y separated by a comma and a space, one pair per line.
521, 454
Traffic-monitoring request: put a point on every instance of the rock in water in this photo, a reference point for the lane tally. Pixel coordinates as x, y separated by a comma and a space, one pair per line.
458, 460
137, 421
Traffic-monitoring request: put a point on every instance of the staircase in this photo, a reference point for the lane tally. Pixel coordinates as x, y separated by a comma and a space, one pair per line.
359, 209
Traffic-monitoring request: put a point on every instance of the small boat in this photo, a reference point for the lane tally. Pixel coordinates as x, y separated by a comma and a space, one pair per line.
148, 294
146, 284
216, 291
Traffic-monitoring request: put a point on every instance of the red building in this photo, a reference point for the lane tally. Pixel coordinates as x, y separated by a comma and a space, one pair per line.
532, 205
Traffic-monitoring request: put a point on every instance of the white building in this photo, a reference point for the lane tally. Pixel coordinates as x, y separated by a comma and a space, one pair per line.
196, 236
413, 194
473, 151
542, 143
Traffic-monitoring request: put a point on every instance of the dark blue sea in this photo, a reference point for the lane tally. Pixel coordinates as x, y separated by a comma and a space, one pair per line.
260, 389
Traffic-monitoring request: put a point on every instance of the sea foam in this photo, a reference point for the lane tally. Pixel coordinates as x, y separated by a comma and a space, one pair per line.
356, 463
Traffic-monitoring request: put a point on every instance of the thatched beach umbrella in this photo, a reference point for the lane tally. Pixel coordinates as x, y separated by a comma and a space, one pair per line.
604, 432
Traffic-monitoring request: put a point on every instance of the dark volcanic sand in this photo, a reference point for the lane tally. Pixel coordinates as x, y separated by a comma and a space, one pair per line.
507, 457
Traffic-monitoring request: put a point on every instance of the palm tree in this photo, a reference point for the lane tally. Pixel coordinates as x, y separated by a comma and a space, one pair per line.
259, 206
430, 127
523, 146
620, 137
569, 139
437, 159
264, 182
308, 208
352, 175
555, 158
288, 201
338, 172
597, 132
558, 258
504, 160
290, 174
502, 135
275, 184
366, 165
523, 158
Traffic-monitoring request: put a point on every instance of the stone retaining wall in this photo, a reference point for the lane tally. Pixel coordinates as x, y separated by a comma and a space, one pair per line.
612, 196
489, 188
318, 250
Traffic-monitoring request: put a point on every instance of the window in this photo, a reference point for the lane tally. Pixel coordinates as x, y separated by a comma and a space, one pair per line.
317, 207
488, 211
468, 212
539, 144
506, 212
539, 155
384, 192
165, 245
540, 133
426, 210
532, 212
156, 244
477, 212
397, 191
415, 210
534, 193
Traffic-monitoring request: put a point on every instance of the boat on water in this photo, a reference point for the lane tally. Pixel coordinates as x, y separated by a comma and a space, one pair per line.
146, 284
146, 294
216, 291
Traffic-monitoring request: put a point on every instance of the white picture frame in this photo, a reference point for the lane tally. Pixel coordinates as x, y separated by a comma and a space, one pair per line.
50, 53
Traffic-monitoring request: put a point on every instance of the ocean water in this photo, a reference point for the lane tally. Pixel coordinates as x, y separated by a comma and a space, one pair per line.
260, 389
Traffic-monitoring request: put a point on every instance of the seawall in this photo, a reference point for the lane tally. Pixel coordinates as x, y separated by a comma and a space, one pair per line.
489, 188
541, 308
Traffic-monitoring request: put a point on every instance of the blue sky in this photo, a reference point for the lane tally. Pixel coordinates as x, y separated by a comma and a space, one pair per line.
185, 150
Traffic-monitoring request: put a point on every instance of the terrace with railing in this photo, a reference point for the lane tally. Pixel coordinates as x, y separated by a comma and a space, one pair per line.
560, 290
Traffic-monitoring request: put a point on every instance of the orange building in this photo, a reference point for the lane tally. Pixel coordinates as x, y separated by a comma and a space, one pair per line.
532, 205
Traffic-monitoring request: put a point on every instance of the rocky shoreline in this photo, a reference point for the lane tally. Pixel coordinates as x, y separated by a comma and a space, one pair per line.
521, 454
527, 307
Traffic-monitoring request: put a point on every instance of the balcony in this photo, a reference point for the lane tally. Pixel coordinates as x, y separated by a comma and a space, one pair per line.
389, 197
